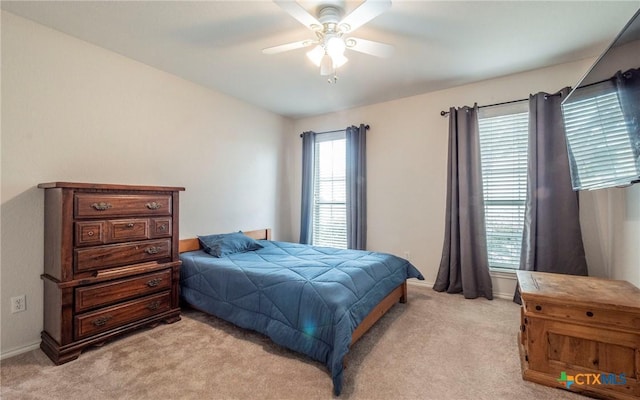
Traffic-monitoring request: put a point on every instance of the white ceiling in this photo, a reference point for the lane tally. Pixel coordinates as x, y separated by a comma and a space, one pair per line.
438, 44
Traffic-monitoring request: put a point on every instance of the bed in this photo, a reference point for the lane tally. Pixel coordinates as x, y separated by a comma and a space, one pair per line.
314, 300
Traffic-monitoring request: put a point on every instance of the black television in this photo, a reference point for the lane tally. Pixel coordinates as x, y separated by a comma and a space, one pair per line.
602, 116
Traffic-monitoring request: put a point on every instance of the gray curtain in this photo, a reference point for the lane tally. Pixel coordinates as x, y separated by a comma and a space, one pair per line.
356, 187
628, 87
464, 267
306, 215
552, 240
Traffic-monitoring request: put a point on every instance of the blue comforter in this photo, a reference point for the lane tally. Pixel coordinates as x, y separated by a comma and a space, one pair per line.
306, 298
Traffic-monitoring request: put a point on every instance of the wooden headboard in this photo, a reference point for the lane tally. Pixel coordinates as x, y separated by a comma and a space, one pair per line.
193, 244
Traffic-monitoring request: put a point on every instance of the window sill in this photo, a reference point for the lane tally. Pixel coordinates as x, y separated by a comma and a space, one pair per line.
503, 273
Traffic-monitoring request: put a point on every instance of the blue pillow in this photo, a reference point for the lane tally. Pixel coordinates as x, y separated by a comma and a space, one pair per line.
225, 244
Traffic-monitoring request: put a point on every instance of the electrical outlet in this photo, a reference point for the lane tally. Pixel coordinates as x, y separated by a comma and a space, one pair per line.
407, 255
19, 303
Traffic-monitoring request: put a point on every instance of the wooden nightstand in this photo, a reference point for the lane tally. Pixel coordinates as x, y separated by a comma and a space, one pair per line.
581, 334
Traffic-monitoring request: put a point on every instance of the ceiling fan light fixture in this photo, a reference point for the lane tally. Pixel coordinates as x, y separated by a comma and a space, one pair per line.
316, 55
335, 47
339, 61
330, 26
326, 65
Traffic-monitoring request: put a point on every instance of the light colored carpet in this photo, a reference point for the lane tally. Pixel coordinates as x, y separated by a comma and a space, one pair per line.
437, 346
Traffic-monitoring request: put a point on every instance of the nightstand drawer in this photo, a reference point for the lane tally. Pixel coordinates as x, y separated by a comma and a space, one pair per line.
103, 257
108, 318
88, 205
586, 315
104, 294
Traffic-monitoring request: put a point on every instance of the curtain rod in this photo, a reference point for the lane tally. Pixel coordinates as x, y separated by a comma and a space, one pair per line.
444, 113
337, 130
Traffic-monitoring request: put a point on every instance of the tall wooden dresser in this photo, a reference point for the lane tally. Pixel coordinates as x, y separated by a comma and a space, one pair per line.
581, 334
110, 263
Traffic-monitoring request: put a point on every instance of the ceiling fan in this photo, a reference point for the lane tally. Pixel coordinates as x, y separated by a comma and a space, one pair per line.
333, 33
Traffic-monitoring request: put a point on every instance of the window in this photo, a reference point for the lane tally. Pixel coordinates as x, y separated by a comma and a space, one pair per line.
601, 151
503, 150
330, 191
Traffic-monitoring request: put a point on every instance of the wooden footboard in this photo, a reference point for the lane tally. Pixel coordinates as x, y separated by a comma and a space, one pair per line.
399, 294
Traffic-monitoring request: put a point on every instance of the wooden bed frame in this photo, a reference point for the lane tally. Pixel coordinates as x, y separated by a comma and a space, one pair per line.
399, 294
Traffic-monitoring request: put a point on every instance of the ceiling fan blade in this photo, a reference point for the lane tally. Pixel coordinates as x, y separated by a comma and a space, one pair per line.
296, 11
364, 13
369, 47
286, 47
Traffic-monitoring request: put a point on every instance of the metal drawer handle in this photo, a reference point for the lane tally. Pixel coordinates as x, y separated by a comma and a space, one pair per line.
152, 250
154, 282
154, 306
162, 227
102, 321
90, 233
101, 206
153, 205
130, 225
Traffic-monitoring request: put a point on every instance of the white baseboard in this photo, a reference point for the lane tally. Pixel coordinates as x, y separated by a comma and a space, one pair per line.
498, 295
19, 350
504, 296
415, 282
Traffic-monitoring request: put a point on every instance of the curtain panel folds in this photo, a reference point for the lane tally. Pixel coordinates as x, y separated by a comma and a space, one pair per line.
306, 214
464, 267
356, 187
628, 85
552, 239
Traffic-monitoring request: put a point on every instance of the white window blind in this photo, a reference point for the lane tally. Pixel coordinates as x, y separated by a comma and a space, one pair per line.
503, 148
330, 210
601, 154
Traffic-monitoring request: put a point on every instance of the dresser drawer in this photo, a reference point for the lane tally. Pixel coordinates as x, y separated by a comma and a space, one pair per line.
114, 255
112, 317
105, 294
124, 230
90, 233
160, 227
90, 205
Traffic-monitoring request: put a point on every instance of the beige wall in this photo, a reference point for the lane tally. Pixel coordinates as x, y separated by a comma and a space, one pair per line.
625, 234
613, 222
406, 161
75, 112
